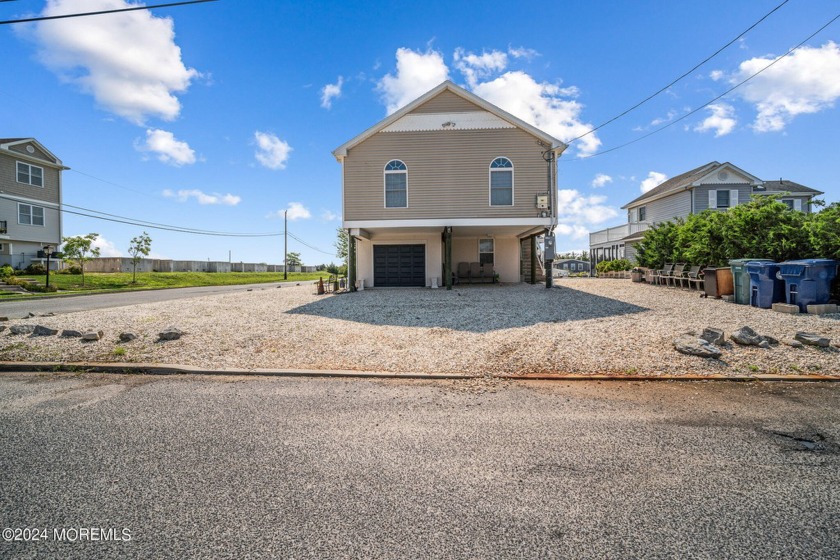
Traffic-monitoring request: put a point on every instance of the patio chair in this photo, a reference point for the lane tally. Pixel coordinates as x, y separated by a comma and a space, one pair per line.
698, 278
676, 274
475, 272
659, 274
463, 271
487, 273
688, 275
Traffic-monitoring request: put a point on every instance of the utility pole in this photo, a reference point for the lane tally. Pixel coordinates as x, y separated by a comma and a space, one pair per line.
285, 246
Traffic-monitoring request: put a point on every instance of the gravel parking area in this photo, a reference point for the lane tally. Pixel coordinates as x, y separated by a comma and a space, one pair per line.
582, 326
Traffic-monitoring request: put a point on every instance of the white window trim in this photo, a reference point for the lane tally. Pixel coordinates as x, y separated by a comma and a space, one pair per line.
493, 252
31, 215
733, 199
385, 174
512, 170
639, 211
30, 166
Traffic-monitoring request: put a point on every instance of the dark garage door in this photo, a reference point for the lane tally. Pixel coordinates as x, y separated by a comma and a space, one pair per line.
399, 266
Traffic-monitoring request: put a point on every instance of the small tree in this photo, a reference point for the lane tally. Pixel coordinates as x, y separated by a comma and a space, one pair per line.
79, 249
342, 244
140, 247
293, 259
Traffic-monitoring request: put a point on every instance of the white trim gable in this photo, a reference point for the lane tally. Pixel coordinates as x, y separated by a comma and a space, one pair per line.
558, 146
727, 174
22, 155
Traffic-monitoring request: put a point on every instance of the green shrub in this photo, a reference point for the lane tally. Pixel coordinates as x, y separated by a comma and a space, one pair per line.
72, 269
36, 269
6, 271
613, 266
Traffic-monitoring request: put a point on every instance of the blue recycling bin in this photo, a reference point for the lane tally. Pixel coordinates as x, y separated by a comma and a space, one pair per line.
807, 282
765, 287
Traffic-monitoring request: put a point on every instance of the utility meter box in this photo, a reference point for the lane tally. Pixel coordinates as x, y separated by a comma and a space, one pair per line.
549, 247
542, 201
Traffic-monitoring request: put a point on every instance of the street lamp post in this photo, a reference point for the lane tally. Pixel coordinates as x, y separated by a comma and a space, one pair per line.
48, 251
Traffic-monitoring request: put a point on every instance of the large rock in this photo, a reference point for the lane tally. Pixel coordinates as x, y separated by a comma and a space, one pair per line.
694, 346
92, 336
127, 336
170, 334
793, 343
713, 336
41, 330
812, 339
70, 333
745, 336
22, 329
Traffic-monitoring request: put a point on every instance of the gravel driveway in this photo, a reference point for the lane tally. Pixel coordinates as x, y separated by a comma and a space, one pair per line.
582, 326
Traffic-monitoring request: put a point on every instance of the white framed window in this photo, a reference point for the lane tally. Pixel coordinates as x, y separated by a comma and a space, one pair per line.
642, 213
501, 182
793, 203
30, 215
486, 251
396, 184
30, 174
723, 198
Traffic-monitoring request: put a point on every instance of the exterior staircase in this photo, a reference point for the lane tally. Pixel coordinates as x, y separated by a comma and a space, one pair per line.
11, 288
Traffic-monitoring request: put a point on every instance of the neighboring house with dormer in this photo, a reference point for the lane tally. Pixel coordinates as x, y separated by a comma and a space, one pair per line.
447, 179
717, 186
30, 199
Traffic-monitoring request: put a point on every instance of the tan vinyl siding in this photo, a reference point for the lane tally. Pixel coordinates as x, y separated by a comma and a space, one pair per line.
9, 184
448, 174
447, 102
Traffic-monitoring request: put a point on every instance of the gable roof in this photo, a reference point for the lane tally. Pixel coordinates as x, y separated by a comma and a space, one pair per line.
6, 143
448, 85
696, 176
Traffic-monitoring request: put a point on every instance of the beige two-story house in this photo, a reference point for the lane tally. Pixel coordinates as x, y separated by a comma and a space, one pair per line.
715, 186
30, 201
448, 179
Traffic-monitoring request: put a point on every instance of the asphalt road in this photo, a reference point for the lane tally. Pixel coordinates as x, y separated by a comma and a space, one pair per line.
338, 468
68, 304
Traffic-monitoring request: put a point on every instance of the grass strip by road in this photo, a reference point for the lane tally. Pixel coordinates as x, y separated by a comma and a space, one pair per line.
101, 282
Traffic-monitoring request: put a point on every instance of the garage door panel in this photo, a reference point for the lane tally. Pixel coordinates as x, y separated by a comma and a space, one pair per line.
399, 265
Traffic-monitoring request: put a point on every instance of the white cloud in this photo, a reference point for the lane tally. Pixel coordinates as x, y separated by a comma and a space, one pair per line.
654, 179
522, 52
416, 74
542, 105
721, 120
330, 92
128, 61
601, 180
168, 149
271, 151
717, 75
572, 206
203, 198
296, 211
575, 231
106, 248
807, 81
479, 66
669, 116
329, 216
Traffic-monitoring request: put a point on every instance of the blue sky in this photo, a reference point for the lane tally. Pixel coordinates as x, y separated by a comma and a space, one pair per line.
219, 116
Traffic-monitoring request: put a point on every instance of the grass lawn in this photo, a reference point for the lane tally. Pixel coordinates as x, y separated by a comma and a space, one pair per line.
120, 281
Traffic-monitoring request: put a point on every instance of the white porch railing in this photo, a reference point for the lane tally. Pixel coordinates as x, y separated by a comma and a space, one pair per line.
616, 233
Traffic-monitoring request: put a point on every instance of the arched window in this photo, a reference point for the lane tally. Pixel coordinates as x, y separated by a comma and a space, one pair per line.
501, 182
396, 184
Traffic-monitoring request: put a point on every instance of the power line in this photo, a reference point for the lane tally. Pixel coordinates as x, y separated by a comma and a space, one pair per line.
111, 183
727, 92
302, 242
102, 12
707, 59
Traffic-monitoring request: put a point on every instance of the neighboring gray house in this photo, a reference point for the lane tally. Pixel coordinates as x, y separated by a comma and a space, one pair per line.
718, 186
30, 199
572, 266
447, 179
